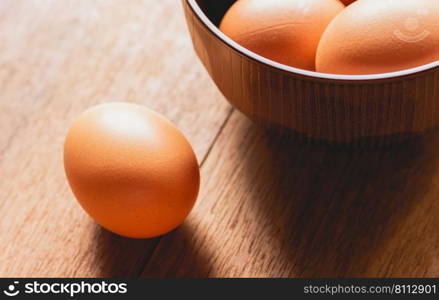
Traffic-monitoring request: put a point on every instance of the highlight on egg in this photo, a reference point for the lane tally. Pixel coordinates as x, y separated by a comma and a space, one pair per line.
376, 36
131, 169
285, 31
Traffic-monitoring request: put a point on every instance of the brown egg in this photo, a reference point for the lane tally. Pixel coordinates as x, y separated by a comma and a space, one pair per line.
376, 36
285, 31
131, 169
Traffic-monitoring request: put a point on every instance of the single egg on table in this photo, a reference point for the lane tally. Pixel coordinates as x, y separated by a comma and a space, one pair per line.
376, 36
131, 169
285, 31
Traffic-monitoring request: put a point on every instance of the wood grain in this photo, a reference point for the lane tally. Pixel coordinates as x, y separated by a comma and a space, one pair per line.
360, 113
270, 207
58, 58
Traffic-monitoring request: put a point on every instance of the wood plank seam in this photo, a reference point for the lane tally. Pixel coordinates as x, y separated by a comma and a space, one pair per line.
203, 160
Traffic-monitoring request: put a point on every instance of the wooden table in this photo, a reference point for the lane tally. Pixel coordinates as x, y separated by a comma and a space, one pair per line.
268, 206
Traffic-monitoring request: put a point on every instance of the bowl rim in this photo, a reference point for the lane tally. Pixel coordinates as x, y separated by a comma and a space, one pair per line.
296, 71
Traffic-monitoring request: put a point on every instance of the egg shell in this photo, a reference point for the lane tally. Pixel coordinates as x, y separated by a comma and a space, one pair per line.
285, 31
131, 170
376, 36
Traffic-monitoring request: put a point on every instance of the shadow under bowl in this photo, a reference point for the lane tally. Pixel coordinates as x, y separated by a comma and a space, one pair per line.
368, 110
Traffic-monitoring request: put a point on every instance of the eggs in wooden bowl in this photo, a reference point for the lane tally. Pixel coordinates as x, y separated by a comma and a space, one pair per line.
361, 108
366, 37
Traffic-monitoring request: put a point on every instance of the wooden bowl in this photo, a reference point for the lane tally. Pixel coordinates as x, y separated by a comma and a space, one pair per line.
365, 110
